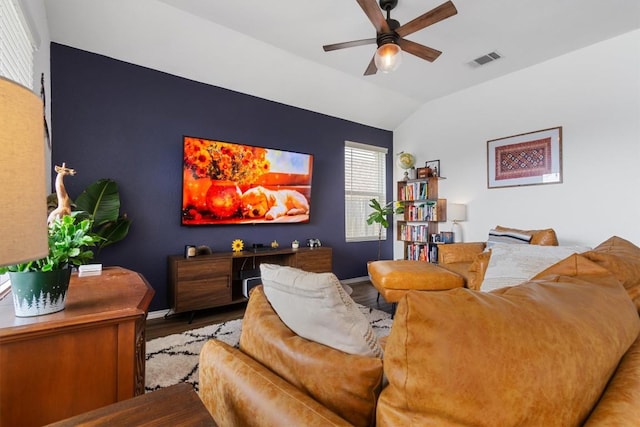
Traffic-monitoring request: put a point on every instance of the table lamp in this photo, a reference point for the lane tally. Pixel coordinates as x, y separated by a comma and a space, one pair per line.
457, 212
23, 215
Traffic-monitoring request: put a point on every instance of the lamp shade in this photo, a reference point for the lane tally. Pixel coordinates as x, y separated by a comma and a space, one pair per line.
388, 57
457, 212
23, 205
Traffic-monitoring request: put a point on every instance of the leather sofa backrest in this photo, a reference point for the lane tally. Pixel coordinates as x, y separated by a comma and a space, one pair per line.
545, 237
540, 353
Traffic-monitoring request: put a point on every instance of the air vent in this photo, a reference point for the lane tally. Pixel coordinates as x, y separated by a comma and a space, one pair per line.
485, 59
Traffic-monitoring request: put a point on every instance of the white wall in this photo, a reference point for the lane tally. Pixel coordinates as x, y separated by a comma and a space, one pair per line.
37, 20
594, 94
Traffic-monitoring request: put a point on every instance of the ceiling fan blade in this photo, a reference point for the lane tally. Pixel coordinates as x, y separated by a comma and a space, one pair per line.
424, 52
336, 46
371, 69
444, 11
374, 13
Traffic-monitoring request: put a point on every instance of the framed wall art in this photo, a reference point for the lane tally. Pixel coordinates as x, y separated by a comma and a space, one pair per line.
434, 166
527, 159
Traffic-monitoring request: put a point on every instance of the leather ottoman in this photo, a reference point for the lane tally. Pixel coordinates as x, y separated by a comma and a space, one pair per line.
393, 279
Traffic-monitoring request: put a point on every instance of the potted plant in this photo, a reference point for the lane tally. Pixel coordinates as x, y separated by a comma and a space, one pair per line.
40, 286
101, 200
380, 216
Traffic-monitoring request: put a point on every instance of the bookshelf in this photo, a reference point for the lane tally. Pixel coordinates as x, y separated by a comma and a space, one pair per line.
423, 210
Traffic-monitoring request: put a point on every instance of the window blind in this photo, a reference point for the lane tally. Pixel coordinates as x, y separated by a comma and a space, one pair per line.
365, 171
16, 44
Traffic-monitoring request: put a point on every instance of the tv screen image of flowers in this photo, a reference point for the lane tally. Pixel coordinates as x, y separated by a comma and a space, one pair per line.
230, 183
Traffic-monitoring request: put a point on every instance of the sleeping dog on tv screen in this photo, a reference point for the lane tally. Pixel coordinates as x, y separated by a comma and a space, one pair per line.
258, 202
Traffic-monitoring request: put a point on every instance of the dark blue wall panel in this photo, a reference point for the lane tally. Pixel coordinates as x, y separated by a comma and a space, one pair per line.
112, 119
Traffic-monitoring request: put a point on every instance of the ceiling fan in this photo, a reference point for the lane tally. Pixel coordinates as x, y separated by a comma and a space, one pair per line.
390, 34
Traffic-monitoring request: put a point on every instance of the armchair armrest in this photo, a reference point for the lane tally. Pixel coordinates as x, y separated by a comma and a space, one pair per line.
238, 390
459, 252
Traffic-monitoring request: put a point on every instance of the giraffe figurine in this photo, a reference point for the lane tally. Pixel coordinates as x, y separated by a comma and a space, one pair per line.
64, 203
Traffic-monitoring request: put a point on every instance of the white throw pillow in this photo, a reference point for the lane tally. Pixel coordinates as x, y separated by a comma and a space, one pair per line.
510, 265
316, 307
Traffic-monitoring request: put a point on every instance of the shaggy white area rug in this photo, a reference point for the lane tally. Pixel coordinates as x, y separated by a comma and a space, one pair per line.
174, 359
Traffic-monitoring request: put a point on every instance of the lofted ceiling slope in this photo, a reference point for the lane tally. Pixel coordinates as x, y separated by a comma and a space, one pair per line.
274, 50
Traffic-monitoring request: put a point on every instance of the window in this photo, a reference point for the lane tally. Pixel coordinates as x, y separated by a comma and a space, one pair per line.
364, 179
17, 44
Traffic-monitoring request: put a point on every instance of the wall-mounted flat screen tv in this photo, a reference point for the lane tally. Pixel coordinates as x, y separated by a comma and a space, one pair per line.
231, 183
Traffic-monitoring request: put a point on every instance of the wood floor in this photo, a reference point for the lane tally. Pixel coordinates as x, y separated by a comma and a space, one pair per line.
363, 293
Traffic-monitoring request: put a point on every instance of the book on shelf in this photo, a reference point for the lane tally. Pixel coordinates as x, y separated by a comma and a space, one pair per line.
423, 211
413, 191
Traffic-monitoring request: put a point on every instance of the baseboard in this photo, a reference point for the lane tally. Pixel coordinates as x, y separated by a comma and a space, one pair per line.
161, 313
354, 280
157, 314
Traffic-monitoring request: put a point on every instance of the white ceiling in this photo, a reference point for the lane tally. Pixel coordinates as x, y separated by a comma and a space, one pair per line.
274, 49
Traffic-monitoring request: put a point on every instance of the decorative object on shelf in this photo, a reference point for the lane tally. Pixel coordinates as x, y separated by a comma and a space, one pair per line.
526, 159
295, 244
413, 174
275, 244
433, 167
237, 245
406, 161
203, 250
64, 202
446, 236
40, 287
189, 251
457, 212
422, 173
314, 243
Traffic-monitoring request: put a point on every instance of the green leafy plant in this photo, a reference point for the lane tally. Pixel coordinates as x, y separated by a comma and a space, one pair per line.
380, 216
101, 200
69, 238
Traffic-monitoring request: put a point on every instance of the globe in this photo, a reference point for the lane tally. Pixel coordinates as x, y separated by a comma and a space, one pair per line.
406, 160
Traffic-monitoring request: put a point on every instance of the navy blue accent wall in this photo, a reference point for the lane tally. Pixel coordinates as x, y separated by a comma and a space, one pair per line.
112, 119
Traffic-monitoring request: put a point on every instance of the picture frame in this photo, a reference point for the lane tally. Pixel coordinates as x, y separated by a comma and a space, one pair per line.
532, 158
434, 167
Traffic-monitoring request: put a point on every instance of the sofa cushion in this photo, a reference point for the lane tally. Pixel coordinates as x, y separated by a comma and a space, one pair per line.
316, 307
236, 390
347, 384
508, 236
620, 403
513, 264
622, 258
545, 237
534, 354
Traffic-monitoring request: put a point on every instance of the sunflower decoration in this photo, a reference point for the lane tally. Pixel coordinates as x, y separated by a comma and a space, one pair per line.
237, 245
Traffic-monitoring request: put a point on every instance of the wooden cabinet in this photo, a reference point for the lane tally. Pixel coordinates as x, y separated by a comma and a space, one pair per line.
317, 260
215, 280
200, 282
423, 210
87, 356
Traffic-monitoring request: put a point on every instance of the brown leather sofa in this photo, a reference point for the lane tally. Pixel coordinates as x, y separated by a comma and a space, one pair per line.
560, 350
470, 261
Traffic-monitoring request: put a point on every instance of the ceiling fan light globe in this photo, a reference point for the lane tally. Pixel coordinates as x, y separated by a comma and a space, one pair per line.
388, 57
